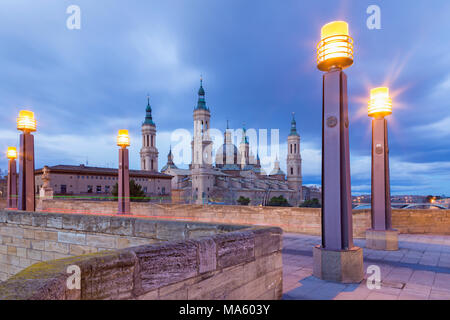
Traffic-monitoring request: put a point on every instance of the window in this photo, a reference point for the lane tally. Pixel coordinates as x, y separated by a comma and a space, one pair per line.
145, 189
99, 189
89, 189
292, 170
107, 189
63, 189
163, 191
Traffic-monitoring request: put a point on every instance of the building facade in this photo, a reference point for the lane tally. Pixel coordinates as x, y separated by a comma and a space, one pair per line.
84, 180
234, 172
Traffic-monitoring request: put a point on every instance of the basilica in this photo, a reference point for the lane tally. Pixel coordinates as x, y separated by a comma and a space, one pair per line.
229, 175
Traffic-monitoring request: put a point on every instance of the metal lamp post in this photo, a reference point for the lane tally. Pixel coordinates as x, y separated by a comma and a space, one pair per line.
337, 259
123, 141
27, 124
11, 154
381, 236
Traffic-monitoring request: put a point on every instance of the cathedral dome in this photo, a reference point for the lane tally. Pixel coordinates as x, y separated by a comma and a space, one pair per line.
226, 154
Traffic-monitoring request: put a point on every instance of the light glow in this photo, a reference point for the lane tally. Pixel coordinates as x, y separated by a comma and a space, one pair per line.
26, 121
11, 154
335, 48
380, 103
123, 139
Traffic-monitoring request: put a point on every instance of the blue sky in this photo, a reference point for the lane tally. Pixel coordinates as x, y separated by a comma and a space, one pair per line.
257, 59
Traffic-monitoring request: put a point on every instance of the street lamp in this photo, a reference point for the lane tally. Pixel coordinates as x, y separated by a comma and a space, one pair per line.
381, 236
27, 124
337, 259
11, 154
123, 141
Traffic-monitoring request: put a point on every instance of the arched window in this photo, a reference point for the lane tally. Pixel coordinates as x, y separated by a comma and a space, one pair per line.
292, 170
295, 148
291, 148
152, 165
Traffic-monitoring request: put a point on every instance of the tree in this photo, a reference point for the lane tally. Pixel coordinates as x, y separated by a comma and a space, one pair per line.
314, 203
136, 192
243, 201
279, 202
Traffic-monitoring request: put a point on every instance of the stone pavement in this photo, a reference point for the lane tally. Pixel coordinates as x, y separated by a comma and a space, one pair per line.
420, 270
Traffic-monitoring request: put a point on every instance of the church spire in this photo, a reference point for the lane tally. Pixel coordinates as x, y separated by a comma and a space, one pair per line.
148, 113
201, 104
244, 134
293, 126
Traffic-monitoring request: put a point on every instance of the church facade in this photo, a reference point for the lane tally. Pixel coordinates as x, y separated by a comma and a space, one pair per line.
234, 172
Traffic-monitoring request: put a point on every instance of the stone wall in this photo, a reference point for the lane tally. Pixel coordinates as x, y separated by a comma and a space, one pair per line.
132, 258
295, 220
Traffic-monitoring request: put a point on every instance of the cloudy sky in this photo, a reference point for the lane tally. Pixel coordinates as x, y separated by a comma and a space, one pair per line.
257, 59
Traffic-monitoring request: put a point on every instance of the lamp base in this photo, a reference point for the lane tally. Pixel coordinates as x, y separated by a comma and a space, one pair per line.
345, 266
386, 240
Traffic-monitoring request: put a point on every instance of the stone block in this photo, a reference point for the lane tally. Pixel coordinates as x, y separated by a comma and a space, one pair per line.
121, 226
15, 232
108, 276
53, 246
382, 239
22, 252
77, 250
234, 248
71, 237
206, 255
268, 241
161, 265
38, 245
12, 250
46, 235
19, 242
145, 228
34, 254
170, 230
39, 219
152, 295
339, 266
14, 217
99, 241
54, 221
28, 233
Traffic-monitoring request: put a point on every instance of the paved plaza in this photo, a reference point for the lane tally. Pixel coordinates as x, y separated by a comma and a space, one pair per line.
419, 270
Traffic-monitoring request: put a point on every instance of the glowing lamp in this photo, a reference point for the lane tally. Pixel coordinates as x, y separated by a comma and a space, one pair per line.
123, 139
11, 154
26, 121
380, 103
335, 48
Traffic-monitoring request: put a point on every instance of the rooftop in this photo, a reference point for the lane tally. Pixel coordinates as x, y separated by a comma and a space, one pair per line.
82, 169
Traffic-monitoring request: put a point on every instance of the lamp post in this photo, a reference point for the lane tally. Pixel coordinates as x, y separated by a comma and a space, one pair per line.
123, 141
381, 236
27, 124
337, 259
11, 154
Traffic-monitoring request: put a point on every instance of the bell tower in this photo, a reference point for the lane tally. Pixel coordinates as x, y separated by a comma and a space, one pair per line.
149, 152
202, 159
294, 162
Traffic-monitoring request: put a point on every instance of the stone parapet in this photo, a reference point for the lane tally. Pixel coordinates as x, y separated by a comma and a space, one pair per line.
132, 258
